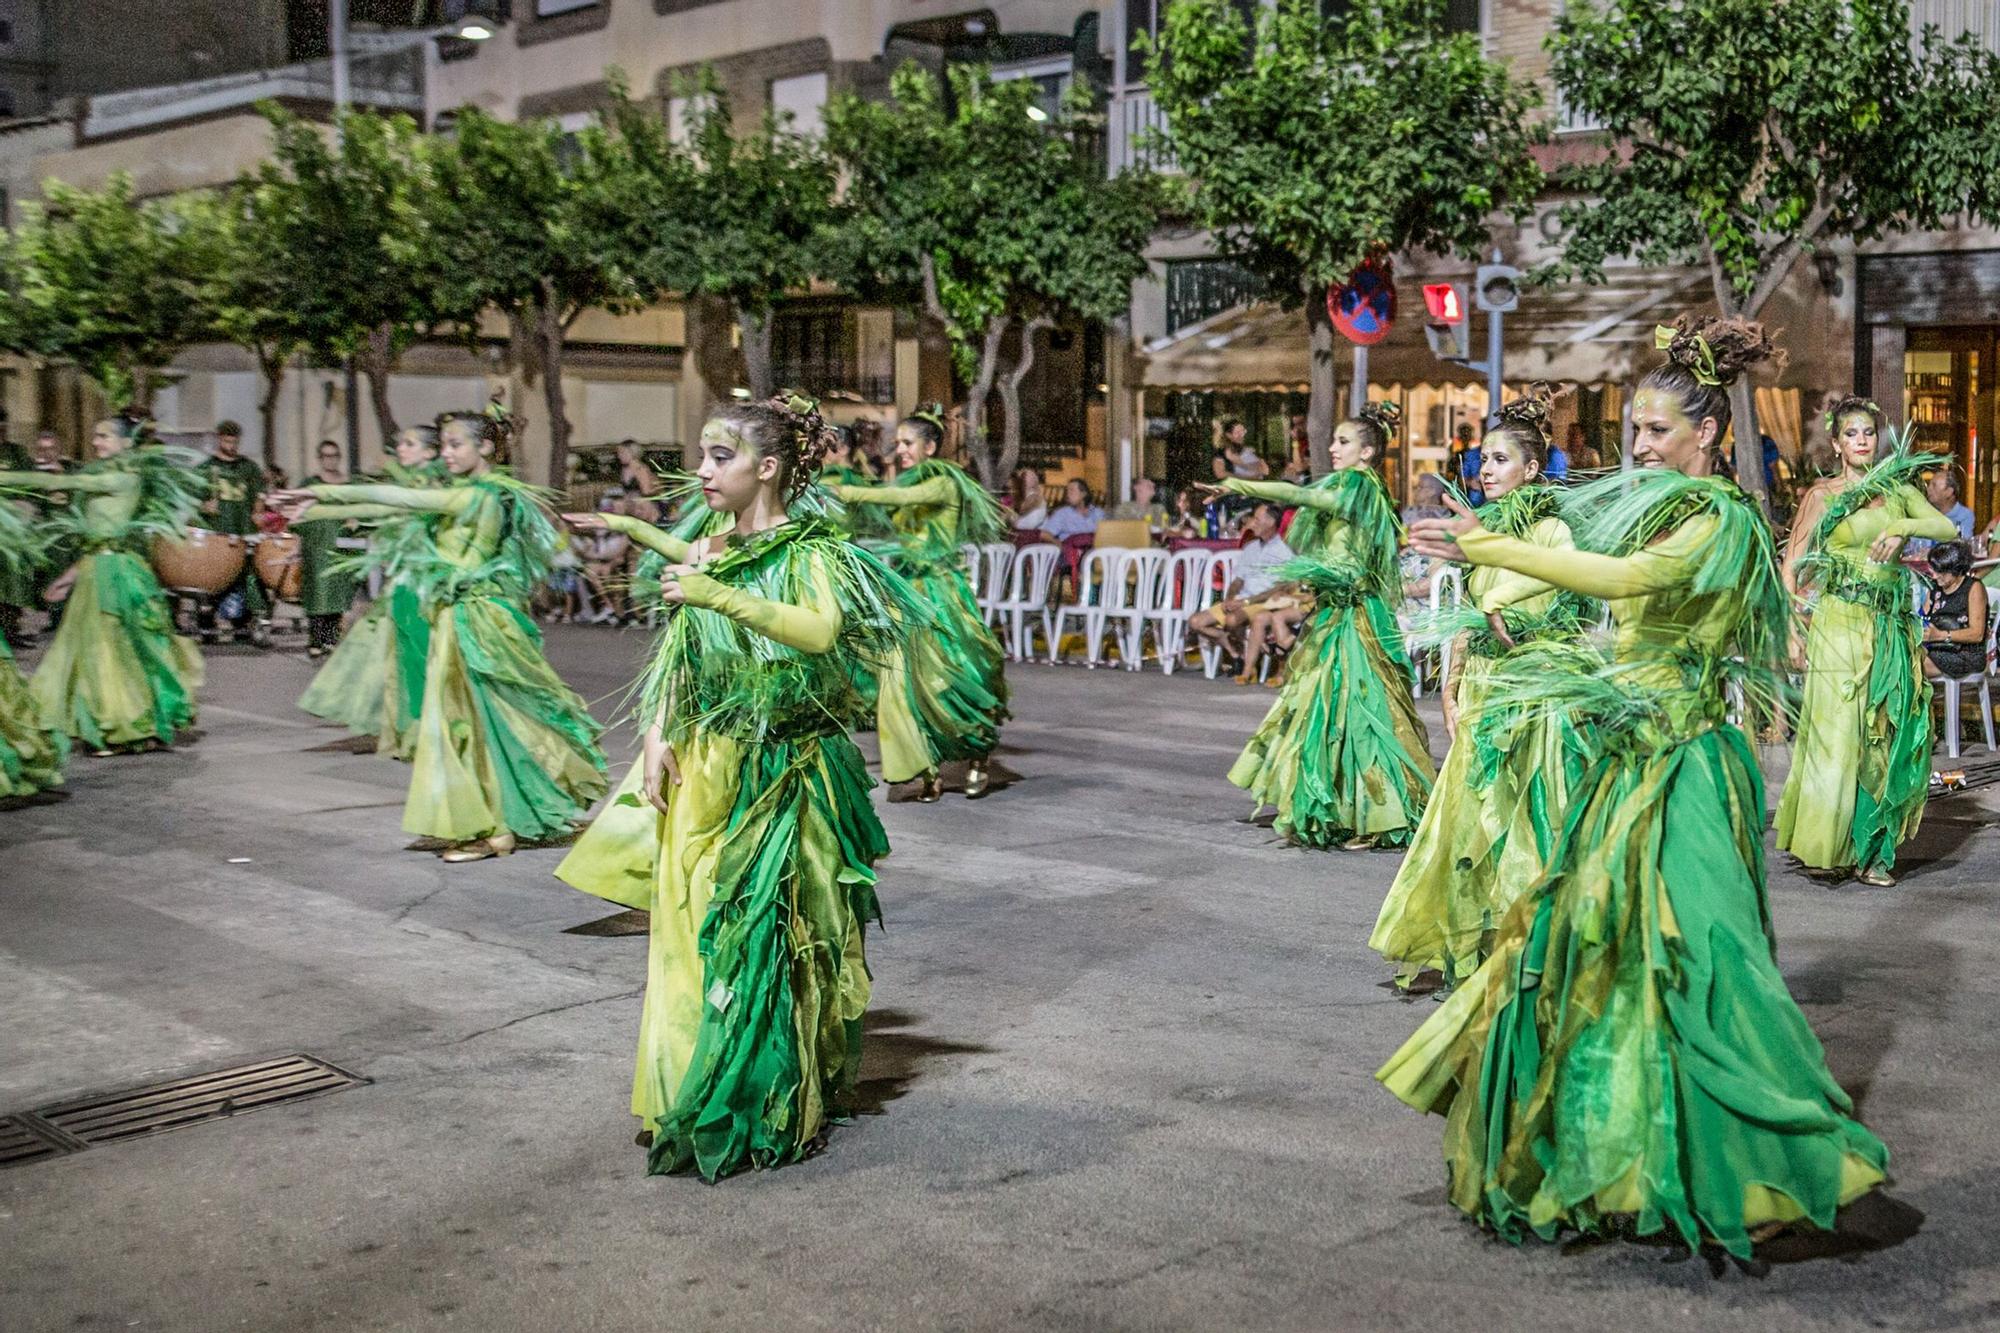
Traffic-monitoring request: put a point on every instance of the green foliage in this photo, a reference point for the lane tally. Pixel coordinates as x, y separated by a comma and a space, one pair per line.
1313, 144
107, 281
1748, 131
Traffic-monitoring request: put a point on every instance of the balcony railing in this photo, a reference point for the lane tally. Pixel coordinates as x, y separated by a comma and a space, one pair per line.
1135, 120
392, 81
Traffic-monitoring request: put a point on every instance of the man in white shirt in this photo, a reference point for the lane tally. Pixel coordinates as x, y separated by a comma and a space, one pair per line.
1257, 564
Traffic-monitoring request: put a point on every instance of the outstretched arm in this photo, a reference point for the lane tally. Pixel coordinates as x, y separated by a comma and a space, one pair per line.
433, 500
649, 536
90, 483
1281, 492
324, 513
936, 491
812, 627
1510, 587
1657, 568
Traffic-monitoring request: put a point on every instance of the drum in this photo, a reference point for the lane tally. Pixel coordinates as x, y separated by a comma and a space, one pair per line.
202, 561
280, 561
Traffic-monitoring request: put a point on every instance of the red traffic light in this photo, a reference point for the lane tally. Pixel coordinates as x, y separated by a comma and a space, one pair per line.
1445, 303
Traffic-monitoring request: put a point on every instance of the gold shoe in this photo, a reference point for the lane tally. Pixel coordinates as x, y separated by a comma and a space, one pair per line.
978, 781
1366, 844
500, 844
933, 789
1881, 879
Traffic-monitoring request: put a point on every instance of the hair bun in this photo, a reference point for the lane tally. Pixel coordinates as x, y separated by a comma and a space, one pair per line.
1385, 414
1533, 410
814, 437
1717, 350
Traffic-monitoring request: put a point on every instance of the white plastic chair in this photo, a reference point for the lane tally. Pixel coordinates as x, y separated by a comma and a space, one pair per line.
1214, 589
1982, 679
972, 556
1143, 587
1100, 591
1028, 595
1447, 589
996, 564
1177, 594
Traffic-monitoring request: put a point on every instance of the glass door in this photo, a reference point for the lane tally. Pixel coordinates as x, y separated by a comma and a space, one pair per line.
1948, 399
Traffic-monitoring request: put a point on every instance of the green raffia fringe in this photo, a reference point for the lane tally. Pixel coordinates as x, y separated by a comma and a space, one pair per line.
519, 564
711, 674
1361, 501
926, 543
171, 490
1836, 575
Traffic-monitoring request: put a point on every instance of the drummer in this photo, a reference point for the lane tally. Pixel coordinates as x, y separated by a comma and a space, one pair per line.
329, 586
235, 484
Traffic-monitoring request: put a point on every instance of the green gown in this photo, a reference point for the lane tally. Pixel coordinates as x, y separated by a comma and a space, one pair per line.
116, 674
1505, 782
1628, 1055
372, 683
1342, 754
945, 697
502, 744
1861, 754
31, 750
759, 878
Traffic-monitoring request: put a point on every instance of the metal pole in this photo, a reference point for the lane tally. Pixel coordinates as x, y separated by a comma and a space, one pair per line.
336, 41
1493, 354
1357, 392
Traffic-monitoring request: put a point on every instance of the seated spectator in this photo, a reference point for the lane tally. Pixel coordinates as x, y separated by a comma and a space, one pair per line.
566, 581
1078, 515
1144, 504
1029, 501
643, 486
1576, 444
1189, 519
1954, 615
604, 561
1426, 500
1274, 623
1257, 562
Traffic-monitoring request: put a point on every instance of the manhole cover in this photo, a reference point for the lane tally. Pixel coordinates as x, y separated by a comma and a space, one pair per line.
157, 1107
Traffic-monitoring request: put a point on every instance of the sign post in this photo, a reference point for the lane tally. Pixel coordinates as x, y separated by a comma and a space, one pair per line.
1364, 310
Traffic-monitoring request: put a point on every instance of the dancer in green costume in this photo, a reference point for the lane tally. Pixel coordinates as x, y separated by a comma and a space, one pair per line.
116, 676
945, 698
373, 681
1505, 783
1628, 1056
31, 750
746, 830
1342, 754
328, 578
1861, 754
504, 749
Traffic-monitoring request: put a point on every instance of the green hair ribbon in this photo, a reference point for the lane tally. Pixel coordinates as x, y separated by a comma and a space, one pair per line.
1704, 368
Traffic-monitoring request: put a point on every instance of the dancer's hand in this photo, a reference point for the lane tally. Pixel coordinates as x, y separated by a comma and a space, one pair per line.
1499, 626
661, 771
670, 584
586, 522
1207, 491
1437, 538
1886, 548
1449, 698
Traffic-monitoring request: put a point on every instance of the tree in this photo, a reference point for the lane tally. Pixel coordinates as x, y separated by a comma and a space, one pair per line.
995, 223
331, 215
247, 293
766, 202
543, 225
1314, 144
106, 281
1749, 133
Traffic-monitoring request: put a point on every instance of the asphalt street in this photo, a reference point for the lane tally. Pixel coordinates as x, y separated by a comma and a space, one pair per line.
1118, 1073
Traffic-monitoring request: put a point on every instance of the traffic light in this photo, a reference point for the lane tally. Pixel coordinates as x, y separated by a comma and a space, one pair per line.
1450, 338
1497, 287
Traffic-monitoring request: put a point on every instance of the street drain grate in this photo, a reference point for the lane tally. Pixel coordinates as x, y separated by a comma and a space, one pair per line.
158, 1107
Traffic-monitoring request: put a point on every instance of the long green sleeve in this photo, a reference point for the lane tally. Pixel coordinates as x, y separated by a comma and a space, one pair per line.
435, 500
1510, 587
649, 536
1663, 565
1284, 493
936, 491
809, 629
327, 513
1918, 517
89, 483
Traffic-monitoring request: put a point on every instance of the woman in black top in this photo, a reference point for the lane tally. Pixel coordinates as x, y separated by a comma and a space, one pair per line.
1955, 624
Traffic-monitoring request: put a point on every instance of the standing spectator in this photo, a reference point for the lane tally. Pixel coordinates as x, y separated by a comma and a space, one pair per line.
1144, 504
1029, 501
235, 493
1301, 460
327, 587
1078, 516
1465, 461
1237, 457
643, 486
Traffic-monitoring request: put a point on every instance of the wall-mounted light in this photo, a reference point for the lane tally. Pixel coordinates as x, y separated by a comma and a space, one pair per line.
1035, 113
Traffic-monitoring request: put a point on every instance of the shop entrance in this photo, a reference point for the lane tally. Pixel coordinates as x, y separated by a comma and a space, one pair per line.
1949, 400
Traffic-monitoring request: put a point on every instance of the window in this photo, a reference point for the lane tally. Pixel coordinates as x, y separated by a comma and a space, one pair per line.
550, 8
803, 97
1200, 288
677, 119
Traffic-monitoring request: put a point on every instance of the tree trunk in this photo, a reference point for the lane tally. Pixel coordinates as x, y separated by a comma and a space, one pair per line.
374, 362
1010, 402
272, 367
1322, 406
978, 448
549, 352
757, 370
1749, 443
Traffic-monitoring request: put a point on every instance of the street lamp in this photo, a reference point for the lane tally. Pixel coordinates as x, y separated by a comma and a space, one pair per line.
341, 44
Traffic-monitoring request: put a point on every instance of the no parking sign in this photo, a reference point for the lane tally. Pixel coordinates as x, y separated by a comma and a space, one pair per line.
1364, 307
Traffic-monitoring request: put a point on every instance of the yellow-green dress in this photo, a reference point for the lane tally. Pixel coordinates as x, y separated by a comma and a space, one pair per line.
116, 675
1628, 1055
372, 683
946, 696
1505, 782
760, 877
31, 751
1342, 754
502, 744
1861, 753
